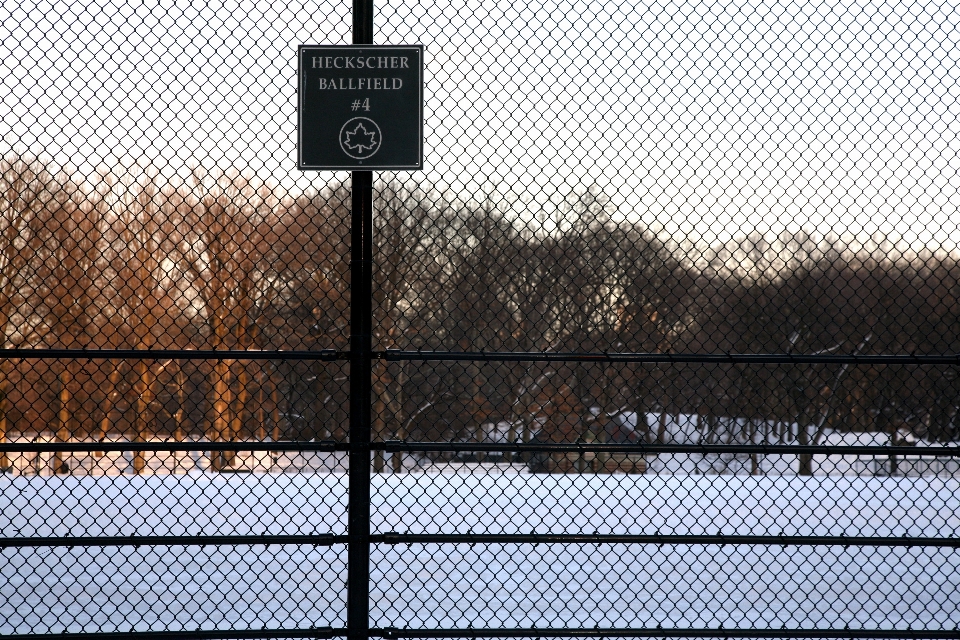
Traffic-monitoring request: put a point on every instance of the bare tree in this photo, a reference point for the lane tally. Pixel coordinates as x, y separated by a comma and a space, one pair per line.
139, 310
27, 189
58, 262
222, 268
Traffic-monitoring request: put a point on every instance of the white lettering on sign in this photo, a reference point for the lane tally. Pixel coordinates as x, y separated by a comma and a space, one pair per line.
359, 62
361, 84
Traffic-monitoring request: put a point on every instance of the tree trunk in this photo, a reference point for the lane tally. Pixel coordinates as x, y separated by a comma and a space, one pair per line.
178, 415
144, 420
514, 381
386, 411
261, 415
5, 465
700, 437
893, 458
243, 394
108, 405
511, 437
399, 418
219, 426
805, 459
275, 432
7, 272
59, 462
378, 428
275, 400
603, 419
220, 460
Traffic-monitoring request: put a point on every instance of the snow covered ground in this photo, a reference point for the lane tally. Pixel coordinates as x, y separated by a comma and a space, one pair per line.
122, 588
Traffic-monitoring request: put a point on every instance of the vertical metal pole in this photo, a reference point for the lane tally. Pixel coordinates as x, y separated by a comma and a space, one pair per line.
361, 371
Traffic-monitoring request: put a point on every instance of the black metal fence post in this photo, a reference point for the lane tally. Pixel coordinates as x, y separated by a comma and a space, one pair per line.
361, 295
358, 555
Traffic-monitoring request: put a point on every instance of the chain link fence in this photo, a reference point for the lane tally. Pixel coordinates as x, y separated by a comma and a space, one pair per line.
664, 337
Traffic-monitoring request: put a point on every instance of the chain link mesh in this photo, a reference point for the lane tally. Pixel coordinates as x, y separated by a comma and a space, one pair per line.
666, 334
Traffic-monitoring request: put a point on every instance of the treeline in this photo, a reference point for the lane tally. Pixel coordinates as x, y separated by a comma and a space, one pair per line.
215, 262
225, 262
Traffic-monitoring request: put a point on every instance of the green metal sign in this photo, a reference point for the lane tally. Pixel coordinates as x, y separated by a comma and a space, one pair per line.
360, 107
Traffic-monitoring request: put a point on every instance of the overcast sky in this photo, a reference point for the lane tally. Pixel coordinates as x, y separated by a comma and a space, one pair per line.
705, 119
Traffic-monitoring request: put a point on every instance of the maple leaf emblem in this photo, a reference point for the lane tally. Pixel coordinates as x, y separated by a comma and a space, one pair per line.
359, 139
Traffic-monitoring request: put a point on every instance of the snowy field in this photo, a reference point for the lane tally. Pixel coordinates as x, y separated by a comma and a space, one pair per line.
123, 588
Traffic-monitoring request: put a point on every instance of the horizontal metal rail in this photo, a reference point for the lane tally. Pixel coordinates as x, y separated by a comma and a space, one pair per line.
393, 538
198, 634
86, 447
395, 446
396, 355
398, 446
316, 540
174, 354
671, 358
390, 633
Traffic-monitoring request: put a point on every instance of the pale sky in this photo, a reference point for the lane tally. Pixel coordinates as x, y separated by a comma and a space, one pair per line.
704, 119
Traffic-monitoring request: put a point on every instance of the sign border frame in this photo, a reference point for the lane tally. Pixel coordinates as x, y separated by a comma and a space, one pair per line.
301, 79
